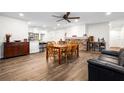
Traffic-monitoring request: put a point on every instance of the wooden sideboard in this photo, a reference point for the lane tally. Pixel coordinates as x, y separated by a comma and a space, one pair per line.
13, 49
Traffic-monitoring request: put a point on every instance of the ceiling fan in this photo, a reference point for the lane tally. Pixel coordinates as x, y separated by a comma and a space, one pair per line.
65, 17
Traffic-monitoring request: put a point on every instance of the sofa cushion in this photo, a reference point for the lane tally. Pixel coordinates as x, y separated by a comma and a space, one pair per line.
108, 58
110, 52
121, 58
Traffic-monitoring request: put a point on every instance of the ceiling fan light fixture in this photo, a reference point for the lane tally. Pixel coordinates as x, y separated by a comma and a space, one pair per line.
76, 20
58, 24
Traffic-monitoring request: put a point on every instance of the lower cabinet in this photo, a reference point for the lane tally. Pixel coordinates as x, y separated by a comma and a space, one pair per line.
13, 49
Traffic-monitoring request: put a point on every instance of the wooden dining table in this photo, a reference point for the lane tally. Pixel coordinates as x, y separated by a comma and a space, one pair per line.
60, 47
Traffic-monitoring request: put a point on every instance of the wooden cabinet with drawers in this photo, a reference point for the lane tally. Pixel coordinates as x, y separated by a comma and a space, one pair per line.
13, 49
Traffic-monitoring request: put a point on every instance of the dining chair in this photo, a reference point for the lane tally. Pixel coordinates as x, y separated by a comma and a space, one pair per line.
74, 49
51, 51
68, 51
53, 42
102, 46
90, 43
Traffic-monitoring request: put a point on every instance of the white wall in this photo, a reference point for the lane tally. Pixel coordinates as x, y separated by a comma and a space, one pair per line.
117, 33
99, 30
18, 29
56, 35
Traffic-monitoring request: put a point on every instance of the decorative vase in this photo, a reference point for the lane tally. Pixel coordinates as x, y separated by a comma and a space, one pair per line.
8, 38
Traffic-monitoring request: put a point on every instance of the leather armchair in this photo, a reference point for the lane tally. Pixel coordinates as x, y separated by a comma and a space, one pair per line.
101, 70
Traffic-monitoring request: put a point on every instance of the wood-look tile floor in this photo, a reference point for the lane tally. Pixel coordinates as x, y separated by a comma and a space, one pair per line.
35, 67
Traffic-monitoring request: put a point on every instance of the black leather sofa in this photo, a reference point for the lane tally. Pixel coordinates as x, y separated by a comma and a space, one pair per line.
105, 68
112, 53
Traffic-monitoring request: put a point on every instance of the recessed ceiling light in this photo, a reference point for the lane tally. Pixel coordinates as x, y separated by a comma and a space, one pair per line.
29, 23
21, 14
44, 26
76, 20
58, 24
109, 24
108, 13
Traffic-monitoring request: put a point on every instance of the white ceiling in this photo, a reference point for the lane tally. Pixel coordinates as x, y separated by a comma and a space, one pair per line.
45, 18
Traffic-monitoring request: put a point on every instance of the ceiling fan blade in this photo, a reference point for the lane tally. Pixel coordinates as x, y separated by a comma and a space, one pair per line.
69, 21
56, 16
59, 20
67, 14
73, 17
